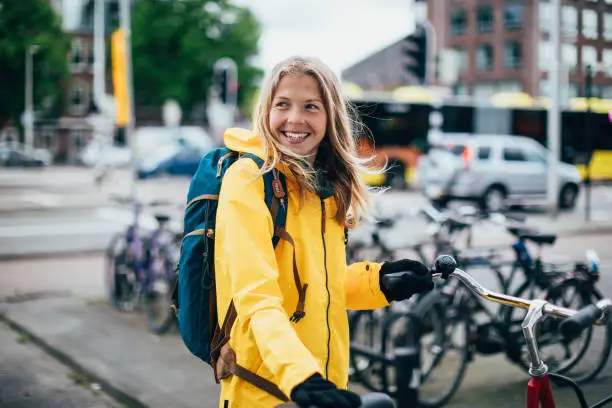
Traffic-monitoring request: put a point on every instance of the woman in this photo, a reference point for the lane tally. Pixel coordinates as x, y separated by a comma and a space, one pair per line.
302, 129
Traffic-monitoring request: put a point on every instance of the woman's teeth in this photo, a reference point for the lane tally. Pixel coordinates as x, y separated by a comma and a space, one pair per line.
295, 136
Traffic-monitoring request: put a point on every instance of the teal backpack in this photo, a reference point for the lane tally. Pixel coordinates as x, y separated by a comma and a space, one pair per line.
194, 297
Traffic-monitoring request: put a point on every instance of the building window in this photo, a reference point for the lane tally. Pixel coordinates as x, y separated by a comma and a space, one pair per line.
458, 21
589, 57
512, 54
484, 57
513, 16
78, 138
484, 18
569, 56
47, 140
544, 14
589, 24
607, 62
569, 21
607, 26
544, 55
78, 98
77, 55
461, 59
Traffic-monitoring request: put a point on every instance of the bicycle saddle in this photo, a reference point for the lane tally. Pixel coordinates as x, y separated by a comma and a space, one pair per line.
547, 239
162, 218
521, 231
385, 223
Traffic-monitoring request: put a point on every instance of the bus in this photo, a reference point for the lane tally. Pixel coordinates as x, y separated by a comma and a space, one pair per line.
398, 133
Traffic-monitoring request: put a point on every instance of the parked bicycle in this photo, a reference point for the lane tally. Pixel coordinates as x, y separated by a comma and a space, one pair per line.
141, 265
405, 365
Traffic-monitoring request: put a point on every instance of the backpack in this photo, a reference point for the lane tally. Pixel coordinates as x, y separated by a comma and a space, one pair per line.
194, 296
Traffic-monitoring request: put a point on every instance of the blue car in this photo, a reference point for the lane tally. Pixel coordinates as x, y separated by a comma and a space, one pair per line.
178, 156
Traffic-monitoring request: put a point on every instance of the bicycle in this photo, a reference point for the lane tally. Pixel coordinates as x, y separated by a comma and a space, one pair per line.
538, 388
369, 329
141, 266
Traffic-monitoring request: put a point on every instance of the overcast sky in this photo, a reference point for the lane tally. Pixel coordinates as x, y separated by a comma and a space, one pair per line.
339, 32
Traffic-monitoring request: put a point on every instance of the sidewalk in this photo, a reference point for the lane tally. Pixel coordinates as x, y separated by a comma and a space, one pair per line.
144, 370
117, 352
29, 378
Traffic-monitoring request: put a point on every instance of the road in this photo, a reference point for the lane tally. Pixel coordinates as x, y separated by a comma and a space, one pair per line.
490, 381
60, 210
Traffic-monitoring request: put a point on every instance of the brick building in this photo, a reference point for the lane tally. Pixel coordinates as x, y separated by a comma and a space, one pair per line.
504, 46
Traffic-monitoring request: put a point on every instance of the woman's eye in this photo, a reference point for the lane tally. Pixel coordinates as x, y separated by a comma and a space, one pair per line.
311, 106
281, 104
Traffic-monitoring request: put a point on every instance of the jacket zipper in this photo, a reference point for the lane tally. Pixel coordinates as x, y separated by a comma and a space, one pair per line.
326, 287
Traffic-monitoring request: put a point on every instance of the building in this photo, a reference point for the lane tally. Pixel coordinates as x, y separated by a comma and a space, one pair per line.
504, 46
66, 136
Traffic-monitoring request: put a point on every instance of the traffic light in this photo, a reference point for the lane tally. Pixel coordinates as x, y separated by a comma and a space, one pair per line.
415, 48
225, 85
222, 79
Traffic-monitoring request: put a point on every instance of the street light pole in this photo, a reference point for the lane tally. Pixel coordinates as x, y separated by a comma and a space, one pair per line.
554, 124
28, 117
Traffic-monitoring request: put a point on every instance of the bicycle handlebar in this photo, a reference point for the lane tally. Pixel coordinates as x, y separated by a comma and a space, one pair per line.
370, 400
445, 267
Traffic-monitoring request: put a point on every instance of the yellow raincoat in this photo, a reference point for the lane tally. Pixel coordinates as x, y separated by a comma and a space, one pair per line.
260, 280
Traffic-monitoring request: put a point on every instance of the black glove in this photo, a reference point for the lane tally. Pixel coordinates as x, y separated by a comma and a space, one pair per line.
318, 392
415, 279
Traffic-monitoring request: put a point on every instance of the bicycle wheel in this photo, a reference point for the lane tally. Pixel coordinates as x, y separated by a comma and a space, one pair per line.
445, 347
120, 277
561, 356
365, 328
157, 302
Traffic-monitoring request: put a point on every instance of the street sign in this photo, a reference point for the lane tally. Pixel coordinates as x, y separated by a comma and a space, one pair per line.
120, 77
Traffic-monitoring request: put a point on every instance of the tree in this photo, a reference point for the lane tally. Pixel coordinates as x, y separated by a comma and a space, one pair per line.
24, 23
175, 44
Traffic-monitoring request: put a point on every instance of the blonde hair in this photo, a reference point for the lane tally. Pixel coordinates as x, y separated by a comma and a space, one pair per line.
343, 164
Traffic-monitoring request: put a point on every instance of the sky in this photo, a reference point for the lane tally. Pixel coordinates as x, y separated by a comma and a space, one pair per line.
339, 32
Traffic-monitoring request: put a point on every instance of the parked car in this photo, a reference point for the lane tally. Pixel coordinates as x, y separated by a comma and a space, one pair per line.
170, 151
14, 154
494, 170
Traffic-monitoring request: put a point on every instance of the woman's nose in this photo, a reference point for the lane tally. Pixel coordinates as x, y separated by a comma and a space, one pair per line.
295, 116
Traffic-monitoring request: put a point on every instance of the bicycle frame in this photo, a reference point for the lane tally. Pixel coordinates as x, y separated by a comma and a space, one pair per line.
539, 393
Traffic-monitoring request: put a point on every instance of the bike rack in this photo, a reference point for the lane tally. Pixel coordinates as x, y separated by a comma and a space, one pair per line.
406, 363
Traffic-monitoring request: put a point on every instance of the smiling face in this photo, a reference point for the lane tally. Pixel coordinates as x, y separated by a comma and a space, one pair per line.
297, 117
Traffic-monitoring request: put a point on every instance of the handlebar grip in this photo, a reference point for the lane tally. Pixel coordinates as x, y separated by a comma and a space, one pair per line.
445, 264
571, 327
391, 280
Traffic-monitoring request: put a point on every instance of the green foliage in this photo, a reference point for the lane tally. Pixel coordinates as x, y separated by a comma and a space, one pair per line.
24, 23
175, 44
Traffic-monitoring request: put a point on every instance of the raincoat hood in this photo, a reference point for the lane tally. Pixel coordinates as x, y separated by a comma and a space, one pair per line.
244, 141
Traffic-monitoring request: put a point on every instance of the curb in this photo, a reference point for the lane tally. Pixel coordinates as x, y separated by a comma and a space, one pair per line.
119, 395
51, 255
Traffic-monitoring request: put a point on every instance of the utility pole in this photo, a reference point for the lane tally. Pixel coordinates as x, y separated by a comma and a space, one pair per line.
28, 114
588, 91
554, 120
125, 22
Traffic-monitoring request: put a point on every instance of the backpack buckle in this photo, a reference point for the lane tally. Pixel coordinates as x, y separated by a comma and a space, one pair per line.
277, 186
